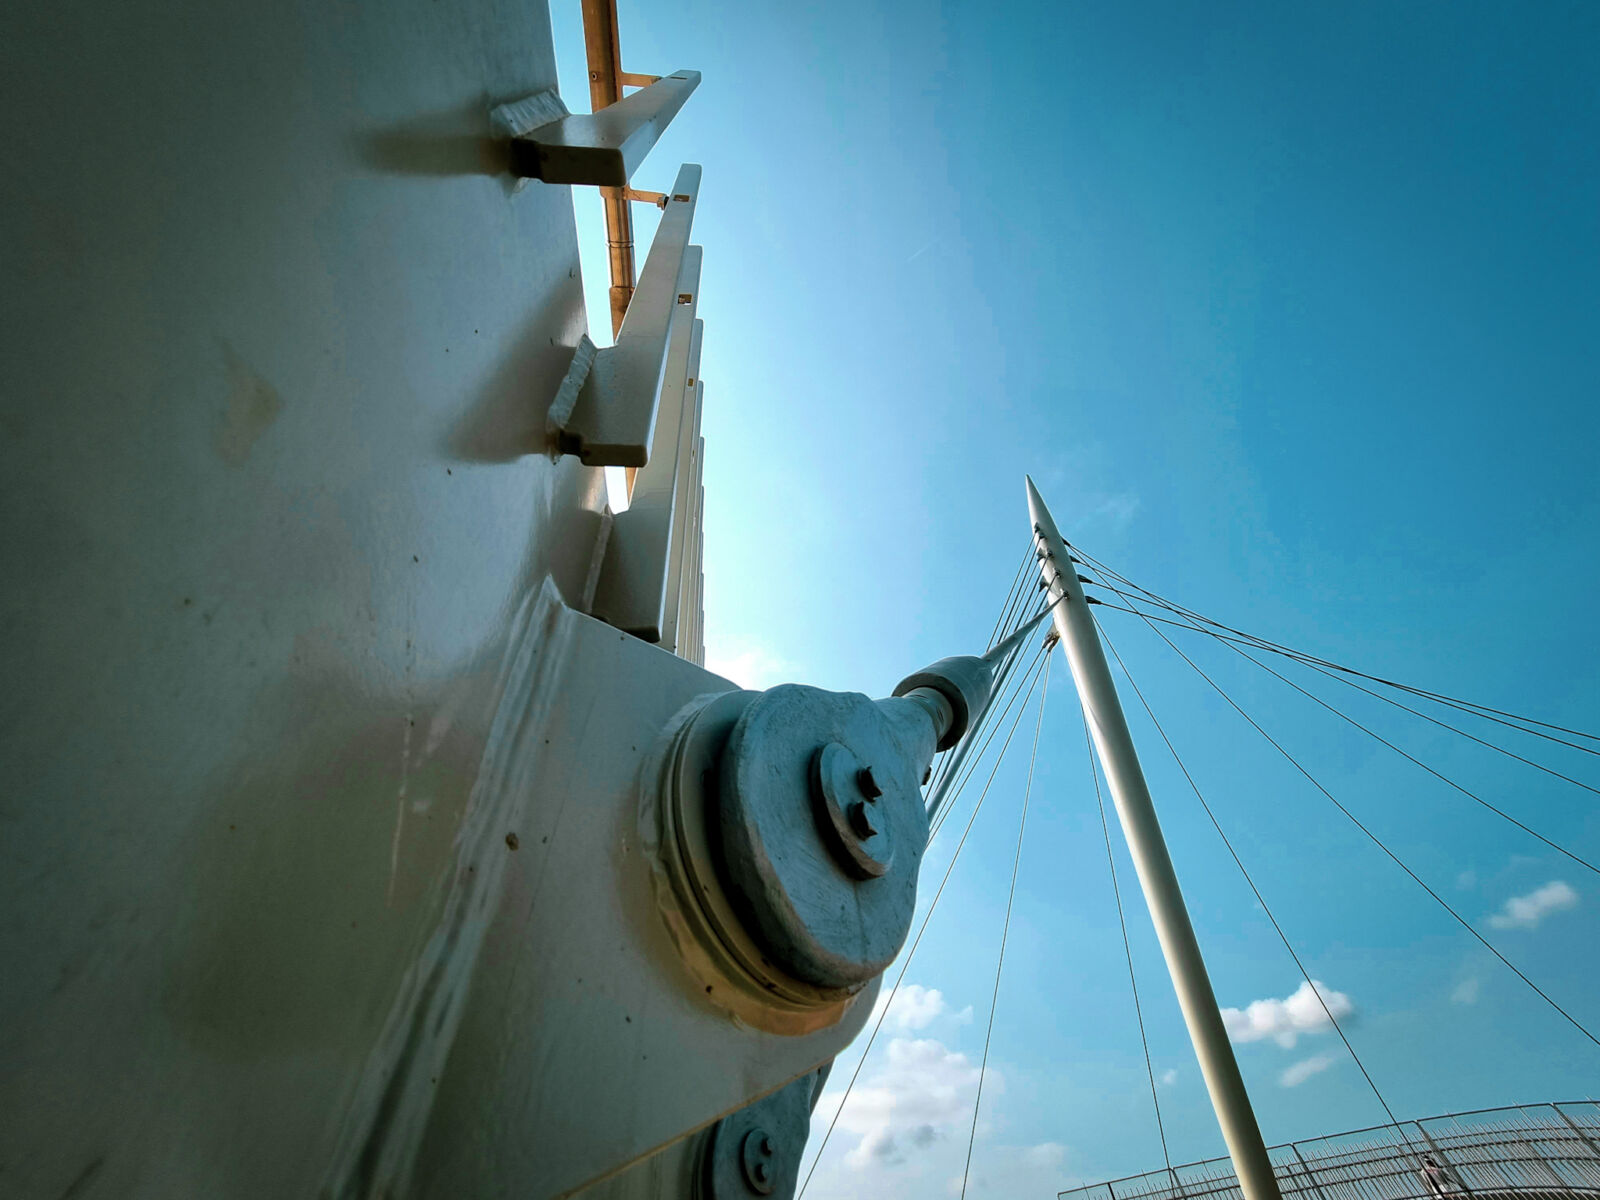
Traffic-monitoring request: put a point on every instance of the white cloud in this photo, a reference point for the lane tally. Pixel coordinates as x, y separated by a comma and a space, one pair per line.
1466, 992
905, 1128
1303, 1070
1285, 1020
923, 1094
1525, 912
1169, 1077
1045, 1154
917, 1007
748, 664
1016, 1171
1117, 510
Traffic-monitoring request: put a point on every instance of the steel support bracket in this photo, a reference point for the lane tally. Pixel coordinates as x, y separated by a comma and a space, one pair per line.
606, 409
563, 1037
602, 148
637, 575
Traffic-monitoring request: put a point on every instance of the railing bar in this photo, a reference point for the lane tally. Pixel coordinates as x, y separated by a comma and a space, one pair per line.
1506, 1149
1576, 1130
1460, 1177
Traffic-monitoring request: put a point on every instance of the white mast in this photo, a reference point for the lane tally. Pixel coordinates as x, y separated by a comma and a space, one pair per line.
1109, 728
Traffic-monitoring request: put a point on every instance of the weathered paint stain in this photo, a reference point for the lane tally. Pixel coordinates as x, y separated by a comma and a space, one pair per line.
84, 1178
253, 405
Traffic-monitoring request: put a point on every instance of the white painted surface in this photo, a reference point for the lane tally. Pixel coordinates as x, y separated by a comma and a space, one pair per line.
618, 399
1097, 694
587, 1041
278, 342
638, 575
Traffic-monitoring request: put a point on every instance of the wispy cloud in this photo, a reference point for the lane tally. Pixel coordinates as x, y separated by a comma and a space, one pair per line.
1117, 510
905, 1122
923, 1093
747, 663
1303, 1070
1168, 1077
1466, 880
1015, 1171
1285, 1020
1525, 912
1466, 992
917, 1007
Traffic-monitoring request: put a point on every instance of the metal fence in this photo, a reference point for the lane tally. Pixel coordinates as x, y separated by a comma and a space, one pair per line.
1539, 1150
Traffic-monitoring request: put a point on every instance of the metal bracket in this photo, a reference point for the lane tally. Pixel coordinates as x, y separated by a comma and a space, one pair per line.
606, 410
602, 148
637, 575
519, 118
577, 987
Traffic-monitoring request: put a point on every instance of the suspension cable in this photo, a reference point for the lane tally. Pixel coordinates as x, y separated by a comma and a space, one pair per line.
944, 802
1005, 929
906, 962
1260, 899
1499, 812
952, 759
953, 762
1013, 616
981, 729
1467, 706
1023, 691
1456, 729
1016, 581
1376, 840
1390, 700
1127, 950
1443, 778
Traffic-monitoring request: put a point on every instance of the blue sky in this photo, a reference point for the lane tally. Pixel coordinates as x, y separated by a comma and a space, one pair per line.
1291, 313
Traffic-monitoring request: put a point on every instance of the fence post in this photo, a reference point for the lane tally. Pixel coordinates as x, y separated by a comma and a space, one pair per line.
1577, 1129
1306, 1167
1443, 1158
